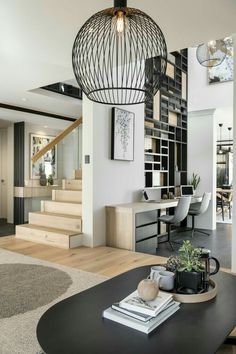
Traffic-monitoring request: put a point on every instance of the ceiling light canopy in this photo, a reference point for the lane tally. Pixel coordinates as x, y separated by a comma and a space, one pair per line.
119, 56
212, 53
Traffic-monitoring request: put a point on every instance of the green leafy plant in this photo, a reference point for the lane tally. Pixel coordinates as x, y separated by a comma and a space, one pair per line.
173, 263
190, 258
195, 180
50, 180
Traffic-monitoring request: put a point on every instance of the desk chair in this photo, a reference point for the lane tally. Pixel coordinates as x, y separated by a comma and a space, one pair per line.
181, 212
198, 209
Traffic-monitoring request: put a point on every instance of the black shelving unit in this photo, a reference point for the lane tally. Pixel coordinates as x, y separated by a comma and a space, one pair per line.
166, 129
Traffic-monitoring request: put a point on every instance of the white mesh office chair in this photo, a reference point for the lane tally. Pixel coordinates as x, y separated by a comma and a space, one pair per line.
181, 212
198, 209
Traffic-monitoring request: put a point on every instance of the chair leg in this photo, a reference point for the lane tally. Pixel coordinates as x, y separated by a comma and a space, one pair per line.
222, 208
193, 225
194, 230
168, 239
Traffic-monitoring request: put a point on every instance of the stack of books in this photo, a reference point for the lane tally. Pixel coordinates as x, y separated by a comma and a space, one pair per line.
141, 315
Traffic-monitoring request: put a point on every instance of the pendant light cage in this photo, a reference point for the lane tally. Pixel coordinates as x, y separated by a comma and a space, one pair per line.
229, 130
212, 53
119, 59
220, 150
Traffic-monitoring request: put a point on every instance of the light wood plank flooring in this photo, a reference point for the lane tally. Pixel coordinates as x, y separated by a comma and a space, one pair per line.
101, 260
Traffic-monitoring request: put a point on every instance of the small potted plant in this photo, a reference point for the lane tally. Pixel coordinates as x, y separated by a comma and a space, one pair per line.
50, 180
195, 180
188, 267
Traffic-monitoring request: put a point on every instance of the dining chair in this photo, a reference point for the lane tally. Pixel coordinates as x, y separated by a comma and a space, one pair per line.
198, 209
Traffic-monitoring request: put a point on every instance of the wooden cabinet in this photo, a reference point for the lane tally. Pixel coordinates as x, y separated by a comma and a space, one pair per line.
134, 226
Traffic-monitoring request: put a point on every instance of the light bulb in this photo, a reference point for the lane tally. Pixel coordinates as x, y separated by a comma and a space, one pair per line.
212, 43
120, 22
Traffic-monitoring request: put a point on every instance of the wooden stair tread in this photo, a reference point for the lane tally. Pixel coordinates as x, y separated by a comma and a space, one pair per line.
57, 214
68, 190
50, 229
60, 202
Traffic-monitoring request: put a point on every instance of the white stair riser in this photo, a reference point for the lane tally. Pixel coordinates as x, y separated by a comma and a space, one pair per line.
72, 184
61, 208
48, 238
67, 196
60, 222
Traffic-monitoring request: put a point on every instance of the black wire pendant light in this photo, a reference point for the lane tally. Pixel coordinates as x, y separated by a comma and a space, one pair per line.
220, 151
119, 56
229, 130
212, 53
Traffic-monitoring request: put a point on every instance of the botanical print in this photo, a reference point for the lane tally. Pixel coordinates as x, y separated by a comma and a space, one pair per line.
224, 71
123, 135
46, 164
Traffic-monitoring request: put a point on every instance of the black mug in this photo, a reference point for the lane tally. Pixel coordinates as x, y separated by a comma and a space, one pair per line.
207, 260
217, 265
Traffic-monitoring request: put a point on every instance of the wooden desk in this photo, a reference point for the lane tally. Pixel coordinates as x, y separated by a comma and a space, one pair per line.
129, 223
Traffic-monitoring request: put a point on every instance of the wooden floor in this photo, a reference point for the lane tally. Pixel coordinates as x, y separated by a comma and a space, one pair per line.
101, 260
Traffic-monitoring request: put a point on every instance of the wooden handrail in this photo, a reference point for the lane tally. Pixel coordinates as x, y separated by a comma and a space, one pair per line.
56, 140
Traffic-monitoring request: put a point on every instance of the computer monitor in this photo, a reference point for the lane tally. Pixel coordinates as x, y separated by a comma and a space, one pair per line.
186, 190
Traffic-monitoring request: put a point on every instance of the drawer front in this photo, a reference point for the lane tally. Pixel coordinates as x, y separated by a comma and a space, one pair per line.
147, 246
145, 218
145, 231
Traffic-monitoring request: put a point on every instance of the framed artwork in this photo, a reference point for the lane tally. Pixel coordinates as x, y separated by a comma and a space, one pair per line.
122, 143
47, 163
223, 72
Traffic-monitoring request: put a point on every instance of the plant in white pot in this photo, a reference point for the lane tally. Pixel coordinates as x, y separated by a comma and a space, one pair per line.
195, 180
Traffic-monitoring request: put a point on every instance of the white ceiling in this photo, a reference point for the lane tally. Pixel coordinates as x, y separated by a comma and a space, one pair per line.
37, 38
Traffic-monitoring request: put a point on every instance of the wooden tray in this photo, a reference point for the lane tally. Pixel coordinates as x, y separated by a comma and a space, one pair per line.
195, 298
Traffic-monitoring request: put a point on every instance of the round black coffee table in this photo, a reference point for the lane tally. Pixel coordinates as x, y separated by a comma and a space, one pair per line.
76, 326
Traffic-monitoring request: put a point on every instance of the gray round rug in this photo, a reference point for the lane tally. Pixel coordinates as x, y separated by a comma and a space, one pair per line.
25, 287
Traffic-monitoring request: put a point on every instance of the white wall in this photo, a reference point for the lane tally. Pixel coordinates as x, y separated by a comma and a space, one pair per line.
224, 116
201, 95
109, 182
202, 160
68, 155
87, 171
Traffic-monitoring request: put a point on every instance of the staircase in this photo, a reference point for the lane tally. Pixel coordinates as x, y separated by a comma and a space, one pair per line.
59, 223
